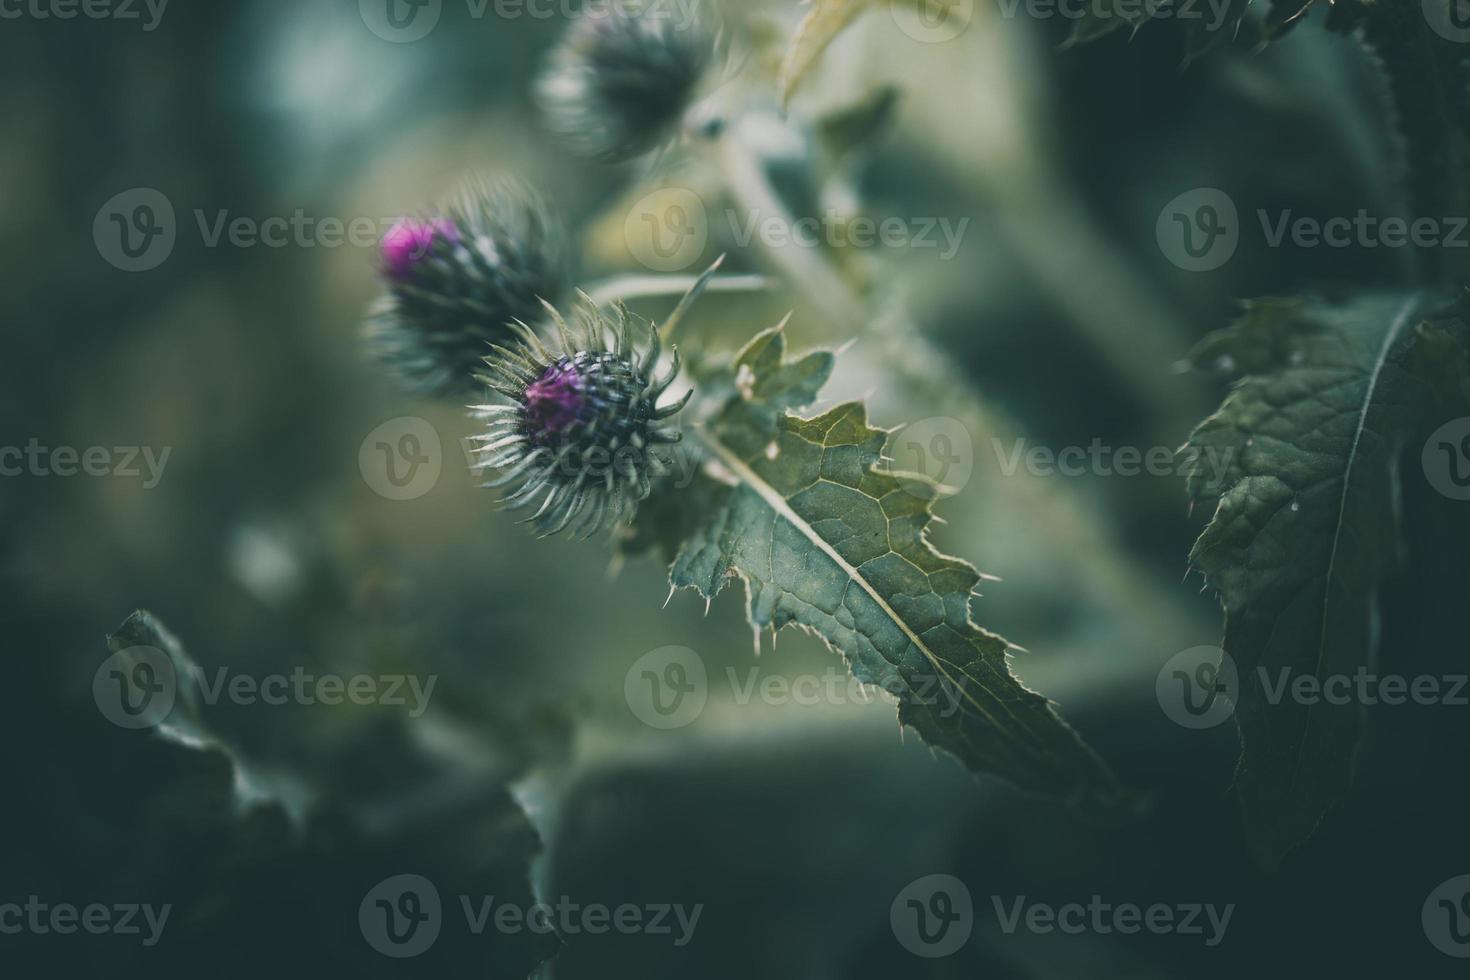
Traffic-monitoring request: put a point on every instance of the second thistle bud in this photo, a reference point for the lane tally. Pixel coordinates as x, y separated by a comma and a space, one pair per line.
455, 280
619, 83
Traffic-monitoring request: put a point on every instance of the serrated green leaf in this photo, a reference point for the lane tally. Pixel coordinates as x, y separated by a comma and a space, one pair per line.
1204, 27
825, 538
1306, 527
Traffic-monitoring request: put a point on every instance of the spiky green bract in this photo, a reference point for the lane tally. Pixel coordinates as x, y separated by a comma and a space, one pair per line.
455, 279
581, 440
618, 84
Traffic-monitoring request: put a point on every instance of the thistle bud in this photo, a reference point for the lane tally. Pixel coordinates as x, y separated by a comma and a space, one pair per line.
619, 83
581, 439
454, 282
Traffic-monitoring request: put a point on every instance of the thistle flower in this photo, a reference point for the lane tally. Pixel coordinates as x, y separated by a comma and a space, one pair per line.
456, 280
618, 84
580, 440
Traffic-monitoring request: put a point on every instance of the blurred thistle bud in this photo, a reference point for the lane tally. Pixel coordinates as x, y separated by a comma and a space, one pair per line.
581, 440
454, 282
620, 81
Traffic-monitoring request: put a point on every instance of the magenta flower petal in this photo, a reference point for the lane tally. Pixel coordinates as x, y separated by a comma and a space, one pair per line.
410, 240
554, 401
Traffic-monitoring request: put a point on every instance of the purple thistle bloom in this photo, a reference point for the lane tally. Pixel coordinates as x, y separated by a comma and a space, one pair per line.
554, 401
454, 281
411, 239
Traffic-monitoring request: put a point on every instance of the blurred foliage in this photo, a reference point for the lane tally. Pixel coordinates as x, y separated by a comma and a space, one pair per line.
264, 549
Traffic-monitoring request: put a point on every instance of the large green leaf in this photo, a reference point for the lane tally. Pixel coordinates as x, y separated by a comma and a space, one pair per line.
1306, 529
827, 539
259, 871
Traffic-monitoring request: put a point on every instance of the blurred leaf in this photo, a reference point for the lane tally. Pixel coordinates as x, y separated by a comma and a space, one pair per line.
821, 25
825, 539
819, 28
167, 817
1307, 526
